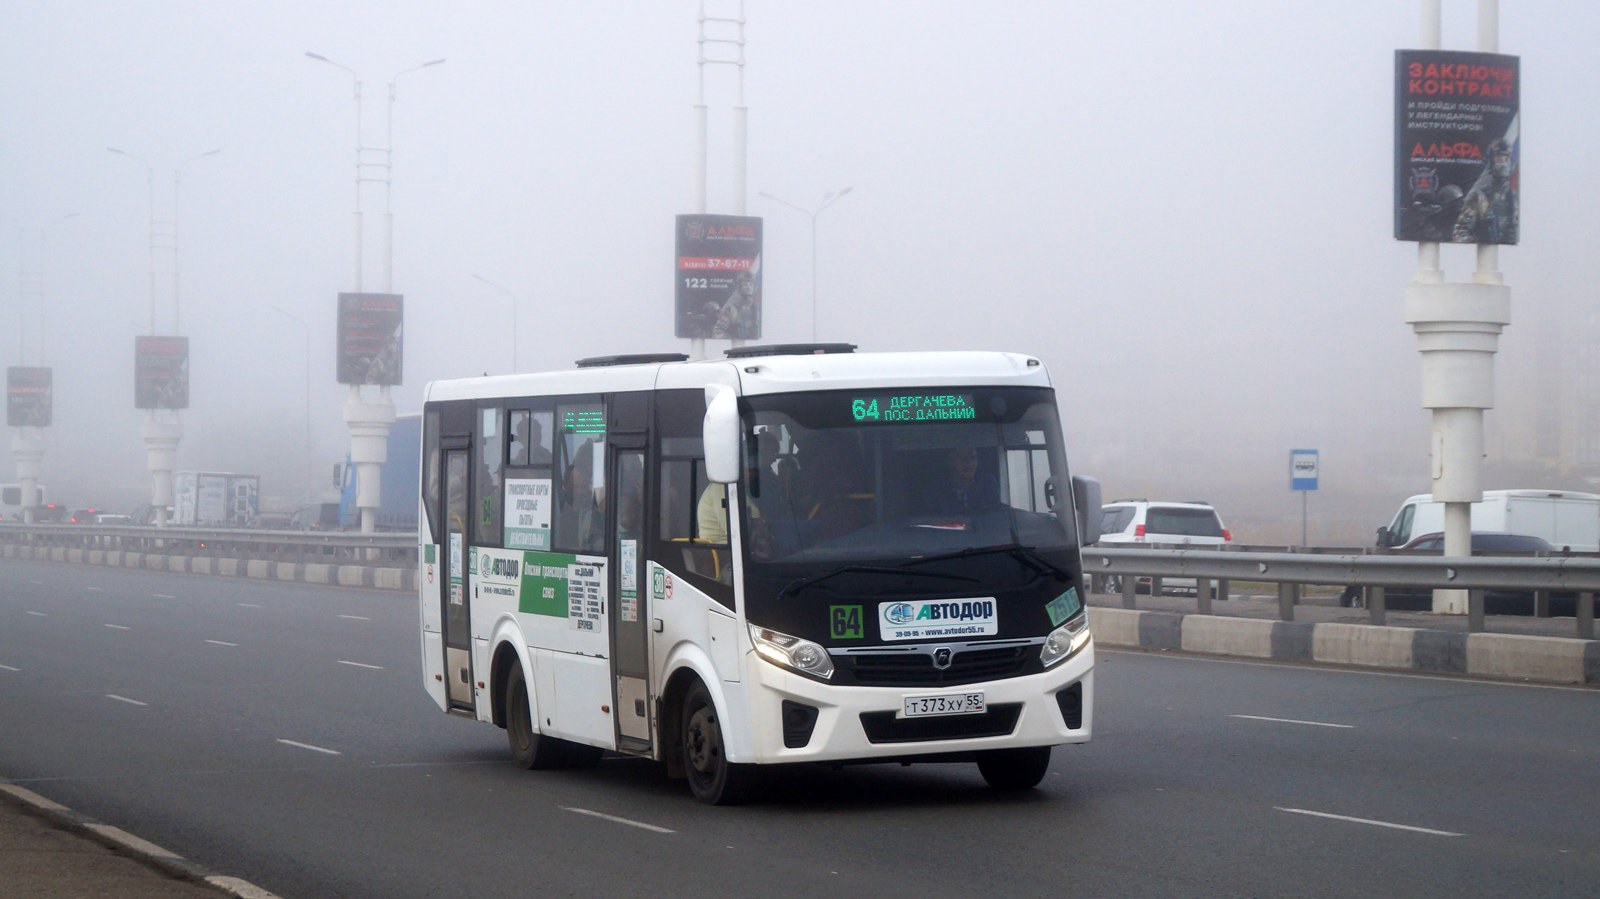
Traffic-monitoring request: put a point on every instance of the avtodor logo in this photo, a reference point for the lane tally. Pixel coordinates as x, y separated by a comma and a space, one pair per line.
934, 619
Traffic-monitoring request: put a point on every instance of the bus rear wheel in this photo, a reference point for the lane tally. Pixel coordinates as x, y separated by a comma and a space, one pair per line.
1014, 769
531, 750
712, 778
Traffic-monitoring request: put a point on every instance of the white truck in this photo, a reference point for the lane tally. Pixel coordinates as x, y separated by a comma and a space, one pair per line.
1568, 519
214, 499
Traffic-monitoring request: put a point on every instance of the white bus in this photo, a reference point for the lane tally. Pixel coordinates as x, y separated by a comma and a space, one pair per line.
898, 580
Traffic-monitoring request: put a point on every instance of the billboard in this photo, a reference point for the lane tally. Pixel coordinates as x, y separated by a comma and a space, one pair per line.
371, 338
1457, 164
719, 276
28, 397
161, 372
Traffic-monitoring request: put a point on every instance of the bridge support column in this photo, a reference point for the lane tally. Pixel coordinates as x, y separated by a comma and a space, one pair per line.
28, 447
161, 438
369, 449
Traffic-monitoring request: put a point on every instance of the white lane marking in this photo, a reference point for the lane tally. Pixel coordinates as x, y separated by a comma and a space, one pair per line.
163, 596
120, 627
310, 747
96, 589
639, 824
125, 699
249, 605
9, 668
39, 614
361, 665
1301, 811
222, 643
355, 618
244, 889
1292, 721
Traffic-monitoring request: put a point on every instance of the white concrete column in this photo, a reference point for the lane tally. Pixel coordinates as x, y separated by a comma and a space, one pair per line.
1458, 331
161, 440
28, 447
369, 449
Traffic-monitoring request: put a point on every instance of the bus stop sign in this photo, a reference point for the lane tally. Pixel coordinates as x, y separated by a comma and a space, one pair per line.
1303, 469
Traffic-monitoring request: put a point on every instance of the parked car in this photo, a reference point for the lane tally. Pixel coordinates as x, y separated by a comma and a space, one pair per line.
315, 517
1495, 602
272, 521
1133, 522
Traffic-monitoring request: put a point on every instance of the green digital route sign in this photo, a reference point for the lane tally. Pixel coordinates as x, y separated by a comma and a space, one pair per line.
913, 407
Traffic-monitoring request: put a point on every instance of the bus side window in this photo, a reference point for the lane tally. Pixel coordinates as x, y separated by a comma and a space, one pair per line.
488, 480
580, 522
694, 523
430, 470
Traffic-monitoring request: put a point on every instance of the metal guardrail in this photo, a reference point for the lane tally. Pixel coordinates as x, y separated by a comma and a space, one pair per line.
1373, 573
242, 543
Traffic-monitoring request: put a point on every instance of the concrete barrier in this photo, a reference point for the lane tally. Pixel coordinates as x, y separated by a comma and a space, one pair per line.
1546, 659
258, 568
75, 555
179, 564
1536, 658
318, 574
388, 578
132, 560
285, 571
202, 565
228, 567
351, 575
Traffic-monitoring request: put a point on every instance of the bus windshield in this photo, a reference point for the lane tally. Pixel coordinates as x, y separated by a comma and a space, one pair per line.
899, 475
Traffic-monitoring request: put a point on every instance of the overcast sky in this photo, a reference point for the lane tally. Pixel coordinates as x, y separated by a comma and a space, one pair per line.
1182, 207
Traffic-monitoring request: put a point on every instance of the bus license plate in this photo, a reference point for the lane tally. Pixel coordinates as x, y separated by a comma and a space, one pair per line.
952, 704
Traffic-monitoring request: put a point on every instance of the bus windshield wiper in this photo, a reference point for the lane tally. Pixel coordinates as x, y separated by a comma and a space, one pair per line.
1024, 554
796, 586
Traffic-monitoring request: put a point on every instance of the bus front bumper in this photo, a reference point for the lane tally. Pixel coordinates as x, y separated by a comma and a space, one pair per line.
841, 733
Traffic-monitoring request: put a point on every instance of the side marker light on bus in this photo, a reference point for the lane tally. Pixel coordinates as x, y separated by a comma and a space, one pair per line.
792, 652
1065, 640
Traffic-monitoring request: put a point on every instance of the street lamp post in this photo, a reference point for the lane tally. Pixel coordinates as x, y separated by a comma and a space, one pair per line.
828, 199
162, 433
369, 422
28, 444
513, 298
307, 329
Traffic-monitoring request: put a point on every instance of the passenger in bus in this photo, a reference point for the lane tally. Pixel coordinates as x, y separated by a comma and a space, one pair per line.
581, 522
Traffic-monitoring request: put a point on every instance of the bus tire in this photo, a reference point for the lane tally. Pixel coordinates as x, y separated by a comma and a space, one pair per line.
1014, 769
531, 750
712, 778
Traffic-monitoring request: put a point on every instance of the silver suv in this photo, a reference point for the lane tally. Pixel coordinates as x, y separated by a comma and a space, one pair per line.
1129, 521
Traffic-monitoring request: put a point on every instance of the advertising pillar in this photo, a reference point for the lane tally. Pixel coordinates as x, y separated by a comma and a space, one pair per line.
371, 344
1456, 180
161, 389
29, 407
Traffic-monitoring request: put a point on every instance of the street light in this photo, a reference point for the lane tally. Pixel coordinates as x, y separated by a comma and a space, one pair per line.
301, 322
150, 177
513, 298
828, 199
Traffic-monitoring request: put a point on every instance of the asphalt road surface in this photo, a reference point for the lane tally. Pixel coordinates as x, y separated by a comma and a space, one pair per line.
280, 733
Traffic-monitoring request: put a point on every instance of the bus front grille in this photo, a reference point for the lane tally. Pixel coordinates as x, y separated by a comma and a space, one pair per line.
916, 669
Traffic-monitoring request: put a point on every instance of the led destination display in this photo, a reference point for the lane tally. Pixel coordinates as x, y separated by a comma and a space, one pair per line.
903, 407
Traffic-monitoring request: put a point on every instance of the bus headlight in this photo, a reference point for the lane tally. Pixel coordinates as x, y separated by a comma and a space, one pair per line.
1065, 640
792, 652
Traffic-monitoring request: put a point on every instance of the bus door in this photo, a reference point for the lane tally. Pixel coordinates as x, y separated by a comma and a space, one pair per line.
630, 630
455, 592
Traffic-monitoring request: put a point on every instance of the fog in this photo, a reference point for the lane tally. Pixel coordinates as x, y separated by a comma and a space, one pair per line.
1182, 208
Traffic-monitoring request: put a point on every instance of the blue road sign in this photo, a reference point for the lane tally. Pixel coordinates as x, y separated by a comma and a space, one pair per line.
1303, 469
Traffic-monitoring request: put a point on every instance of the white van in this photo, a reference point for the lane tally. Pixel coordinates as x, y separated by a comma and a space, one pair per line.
1567, 519
11, 508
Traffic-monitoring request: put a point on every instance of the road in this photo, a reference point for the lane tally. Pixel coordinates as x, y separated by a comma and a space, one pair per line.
203, 714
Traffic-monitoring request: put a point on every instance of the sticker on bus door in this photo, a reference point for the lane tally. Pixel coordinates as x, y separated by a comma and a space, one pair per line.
455, 570
628, 579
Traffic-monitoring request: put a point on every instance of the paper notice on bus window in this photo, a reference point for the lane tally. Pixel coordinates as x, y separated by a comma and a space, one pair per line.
455, 556
527, 522
630, 565
586, 596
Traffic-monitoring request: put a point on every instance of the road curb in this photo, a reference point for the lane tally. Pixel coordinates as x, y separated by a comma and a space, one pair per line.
1555, 660
120, 840
370, 576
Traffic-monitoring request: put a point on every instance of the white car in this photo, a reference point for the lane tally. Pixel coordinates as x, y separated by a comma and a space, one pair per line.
1132, 522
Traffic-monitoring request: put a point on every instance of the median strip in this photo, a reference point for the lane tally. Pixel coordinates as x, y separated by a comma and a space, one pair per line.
1427, 830
1292, 721
638, 824
310, 747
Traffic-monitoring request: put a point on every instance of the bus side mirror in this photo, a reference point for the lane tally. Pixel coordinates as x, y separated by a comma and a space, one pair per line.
1086, 505
721, 432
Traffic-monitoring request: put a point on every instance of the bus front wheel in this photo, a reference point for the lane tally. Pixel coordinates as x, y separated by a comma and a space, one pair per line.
1014, 769
712, 778
531, 750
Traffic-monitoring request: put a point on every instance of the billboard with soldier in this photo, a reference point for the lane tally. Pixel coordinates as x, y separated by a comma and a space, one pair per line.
371, 338
1457, 148
161, 372
719, 276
